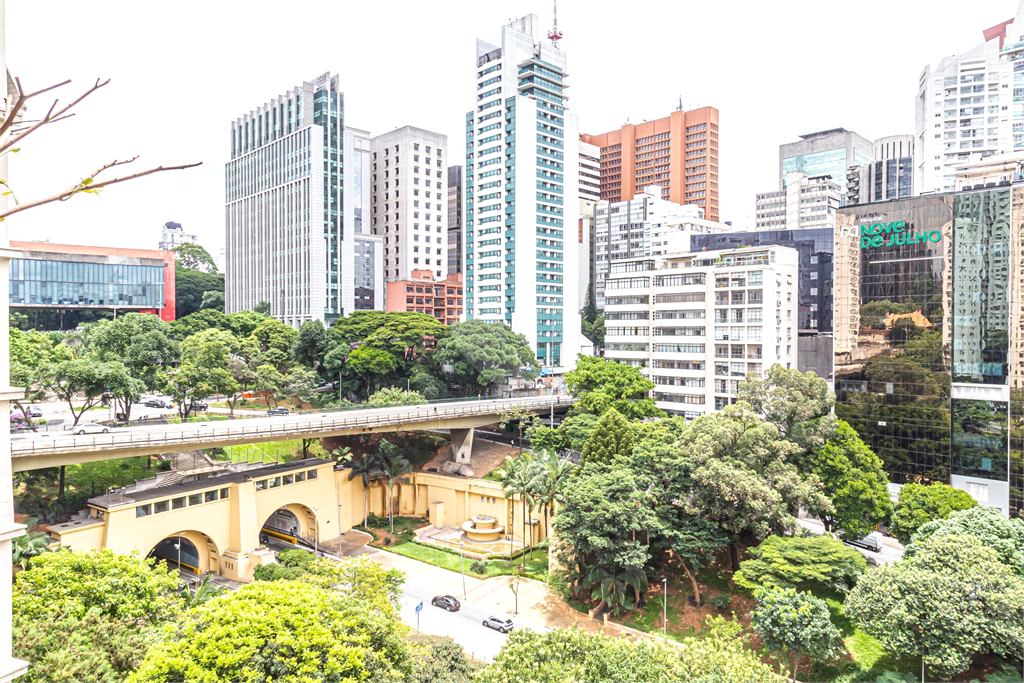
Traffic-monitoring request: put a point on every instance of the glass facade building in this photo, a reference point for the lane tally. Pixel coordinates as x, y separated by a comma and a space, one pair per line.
68, 277
928, 341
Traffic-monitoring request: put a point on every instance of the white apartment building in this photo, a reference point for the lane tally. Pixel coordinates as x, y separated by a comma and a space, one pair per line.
590, 195
697, 324
590, 173
645, 225
173, 235
971, 104
806, 202
283, 206
410, 201
522, 194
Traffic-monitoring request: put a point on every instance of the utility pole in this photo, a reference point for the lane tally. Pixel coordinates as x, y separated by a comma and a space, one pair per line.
462, 559
664, 609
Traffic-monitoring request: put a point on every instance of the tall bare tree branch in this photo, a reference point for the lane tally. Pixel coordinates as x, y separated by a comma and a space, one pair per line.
20, 102
50, 117
86, 185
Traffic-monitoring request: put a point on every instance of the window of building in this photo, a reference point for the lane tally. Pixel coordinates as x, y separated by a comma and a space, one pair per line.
211, 496
195, 499
160, 506
143, 510
177, 503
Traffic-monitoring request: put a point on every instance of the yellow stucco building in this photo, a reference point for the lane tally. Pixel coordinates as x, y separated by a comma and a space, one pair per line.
214, 524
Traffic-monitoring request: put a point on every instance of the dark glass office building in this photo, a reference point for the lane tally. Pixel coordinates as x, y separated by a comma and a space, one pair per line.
815, 247
927, 344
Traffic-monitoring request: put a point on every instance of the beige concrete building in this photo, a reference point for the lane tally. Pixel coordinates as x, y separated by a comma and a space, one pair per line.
218, 521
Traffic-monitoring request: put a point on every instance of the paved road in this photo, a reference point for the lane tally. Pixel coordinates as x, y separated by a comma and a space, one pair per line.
891, 550
35, 450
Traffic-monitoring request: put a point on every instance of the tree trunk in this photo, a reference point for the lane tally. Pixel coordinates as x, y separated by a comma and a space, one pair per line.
734, 554
398, 500
60, 492
366, 503
391, 513
383, 499
796, 665
693, 582
511, 528
524, 531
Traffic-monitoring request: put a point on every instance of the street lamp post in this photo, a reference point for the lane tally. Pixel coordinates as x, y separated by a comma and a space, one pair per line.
178, 546
462, 560
664, 609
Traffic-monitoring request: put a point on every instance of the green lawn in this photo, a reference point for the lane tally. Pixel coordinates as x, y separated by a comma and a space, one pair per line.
536, 568
280, 451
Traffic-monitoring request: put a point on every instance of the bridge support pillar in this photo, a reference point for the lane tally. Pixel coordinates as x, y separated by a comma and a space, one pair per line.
462, 445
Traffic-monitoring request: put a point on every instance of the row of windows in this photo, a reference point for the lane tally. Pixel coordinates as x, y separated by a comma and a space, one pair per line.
180, 502
284, 480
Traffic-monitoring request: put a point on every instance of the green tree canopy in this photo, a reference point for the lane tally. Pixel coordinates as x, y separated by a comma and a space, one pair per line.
85, 378
311, 345
189, 288
192, 256
572, 656
994, 529
741, 475
855, 480
801, 562
119, 586
921, 503
212, 300
951, 600
393, 396
371, 364
612, 437
600, 384
798, 404
482, 355
281, 630
796, 626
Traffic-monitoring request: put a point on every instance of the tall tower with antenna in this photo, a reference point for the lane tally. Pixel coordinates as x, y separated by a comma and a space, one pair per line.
554, 35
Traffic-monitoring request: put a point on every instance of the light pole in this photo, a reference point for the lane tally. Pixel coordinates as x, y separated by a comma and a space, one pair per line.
664, 609
178, 546
462, 560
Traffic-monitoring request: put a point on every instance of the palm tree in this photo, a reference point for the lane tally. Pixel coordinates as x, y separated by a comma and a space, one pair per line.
392, 468
367, 470
611, 586
505, 475
517, 479
205, 592
550, 480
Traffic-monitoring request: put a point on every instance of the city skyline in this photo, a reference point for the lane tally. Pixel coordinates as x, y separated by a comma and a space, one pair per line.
116, 124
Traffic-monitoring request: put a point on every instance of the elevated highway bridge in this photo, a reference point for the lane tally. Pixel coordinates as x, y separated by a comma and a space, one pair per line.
31, 451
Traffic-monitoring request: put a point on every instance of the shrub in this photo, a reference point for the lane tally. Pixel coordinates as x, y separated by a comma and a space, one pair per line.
277, 572
295, 558
387, 540
478, 567
721, 601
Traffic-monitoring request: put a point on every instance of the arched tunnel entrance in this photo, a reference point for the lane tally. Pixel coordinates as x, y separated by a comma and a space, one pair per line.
189, 551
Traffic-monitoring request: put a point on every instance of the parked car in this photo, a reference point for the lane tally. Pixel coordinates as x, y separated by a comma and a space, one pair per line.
500, 623
158, 403
446, 602
90, 428
278, 411
872, 541
199, 405
34, 411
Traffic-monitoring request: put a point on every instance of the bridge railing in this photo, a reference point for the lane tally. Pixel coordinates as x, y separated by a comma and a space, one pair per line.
285, 427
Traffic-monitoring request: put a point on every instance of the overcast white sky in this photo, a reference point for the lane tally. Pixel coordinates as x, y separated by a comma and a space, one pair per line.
182, 71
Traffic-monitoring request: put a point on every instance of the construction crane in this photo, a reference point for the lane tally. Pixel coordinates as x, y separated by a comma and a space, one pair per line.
554, 35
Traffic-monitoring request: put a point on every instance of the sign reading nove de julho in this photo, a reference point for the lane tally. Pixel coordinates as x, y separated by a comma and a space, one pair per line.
894, 234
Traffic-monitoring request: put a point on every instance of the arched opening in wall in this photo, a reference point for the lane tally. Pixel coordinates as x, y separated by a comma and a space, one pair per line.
189, 551
294, 523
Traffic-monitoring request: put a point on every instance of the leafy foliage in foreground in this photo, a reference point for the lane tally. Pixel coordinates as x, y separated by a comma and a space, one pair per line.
801, 562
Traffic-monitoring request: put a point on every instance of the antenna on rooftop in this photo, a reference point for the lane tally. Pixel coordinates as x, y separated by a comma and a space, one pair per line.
680, 103
554, 35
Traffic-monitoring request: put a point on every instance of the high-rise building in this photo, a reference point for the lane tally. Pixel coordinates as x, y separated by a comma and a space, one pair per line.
590, 173
410, 201
804, 202
522, 166
455, 227
814, 285
679, 153
284, 222
929, 337
364, 290
697, 324
590, 195
174, 235
645, 225
828, 152
971, 104
889, 176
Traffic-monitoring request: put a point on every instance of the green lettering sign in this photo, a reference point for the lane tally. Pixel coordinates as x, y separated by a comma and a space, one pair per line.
893, 234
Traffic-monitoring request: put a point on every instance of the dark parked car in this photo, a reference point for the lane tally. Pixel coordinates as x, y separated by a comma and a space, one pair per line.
199, 405
277, 411
446, 602
157, 403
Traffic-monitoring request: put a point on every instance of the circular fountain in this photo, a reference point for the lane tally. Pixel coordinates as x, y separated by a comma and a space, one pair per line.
483, 529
